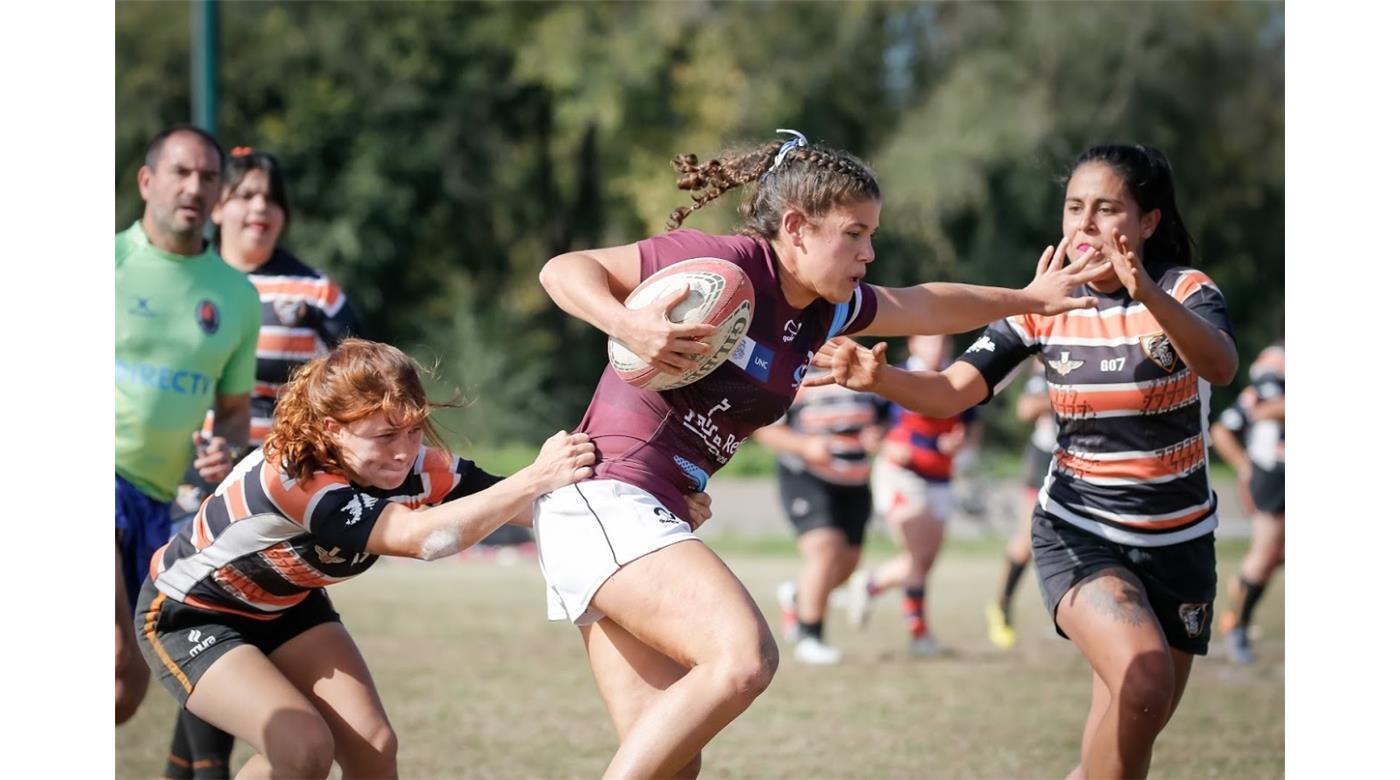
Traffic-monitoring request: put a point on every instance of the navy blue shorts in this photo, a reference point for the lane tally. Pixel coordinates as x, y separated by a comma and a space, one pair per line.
143, 525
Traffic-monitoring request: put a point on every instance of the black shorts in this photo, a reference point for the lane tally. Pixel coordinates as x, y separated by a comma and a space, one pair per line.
180, 642
813, 503
1179, 578
1037, 465
1266, 488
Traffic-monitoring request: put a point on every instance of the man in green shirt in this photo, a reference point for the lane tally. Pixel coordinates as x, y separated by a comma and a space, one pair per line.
186, 341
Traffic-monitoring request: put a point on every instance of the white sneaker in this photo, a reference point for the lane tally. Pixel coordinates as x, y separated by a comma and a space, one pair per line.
925, 647
810, 650
787, 602
858, 601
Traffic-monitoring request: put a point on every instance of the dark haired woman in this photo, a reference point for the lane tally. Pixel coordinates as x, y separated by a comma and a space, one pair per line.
1123, 535
677, 646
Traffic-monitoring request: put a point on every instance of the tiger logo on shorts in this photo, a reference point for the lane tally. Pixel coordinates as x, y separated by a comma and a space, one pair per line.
1193, 617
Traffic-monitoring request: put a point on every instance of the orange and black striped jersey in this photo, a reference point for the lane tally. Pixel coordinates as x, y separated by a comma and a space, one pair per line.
304, 315
1130, 457
262, 541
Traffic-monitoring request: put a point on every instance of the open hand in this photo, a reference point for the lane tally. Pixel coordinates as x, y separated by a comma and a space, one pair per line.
848, 364
1055, 280
1127, 266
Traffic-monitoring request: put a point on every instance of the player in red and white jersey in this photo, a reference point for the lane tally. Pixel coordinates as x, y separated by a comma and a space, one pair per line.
677, 645
234, 619
1123, 535
1250, 436
913, 484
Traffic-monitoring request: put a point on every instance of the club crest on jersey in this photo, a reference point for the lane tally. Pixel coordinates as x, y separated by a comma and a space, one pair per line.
1064, 365
289, 312
790, 331
1159, 348
1193, 618
207, 315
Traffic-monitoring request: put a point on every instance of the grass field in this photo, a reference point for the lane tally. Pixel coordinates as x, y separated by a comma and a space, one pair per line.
477, 684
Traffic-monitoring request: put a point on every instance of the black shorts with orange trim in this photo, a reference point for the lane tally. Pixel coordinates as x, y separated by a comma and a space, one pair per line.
813, 503
181, 643
1179, 579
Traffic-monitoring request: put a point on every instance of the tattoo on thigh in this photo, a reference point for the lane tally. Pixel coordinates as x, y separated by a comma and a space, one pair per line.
1120, 599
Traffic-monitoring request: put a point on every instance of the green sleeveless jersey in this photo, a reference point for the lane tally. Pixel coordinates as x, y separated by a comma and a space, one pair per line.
187, 330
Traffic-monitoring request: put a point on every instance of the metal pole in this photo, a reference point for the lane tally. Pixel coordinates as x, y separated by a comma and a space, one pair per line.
204, 65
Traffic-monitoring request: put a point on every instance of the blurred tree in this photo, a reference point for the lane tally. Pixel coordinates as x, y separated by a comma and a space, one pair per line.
439, 153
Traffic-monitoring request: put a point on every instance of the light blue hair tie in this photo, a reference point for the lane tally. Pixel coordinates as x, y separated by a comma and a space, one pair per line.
797, 140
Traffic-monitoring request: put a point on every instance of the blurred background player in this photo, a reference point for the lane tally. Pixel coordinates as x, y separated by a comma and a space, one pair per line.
304, 315
186, 332
1032, 404
823, 443
914, 493
1249, 436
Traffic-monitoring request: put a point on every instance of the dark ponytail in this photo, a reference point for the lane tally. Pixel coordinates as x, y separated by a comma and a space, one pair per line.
1148, 175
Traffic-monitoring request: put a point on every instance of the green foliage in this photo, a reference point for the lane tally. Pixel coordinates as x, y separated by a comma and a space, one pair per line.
440, 153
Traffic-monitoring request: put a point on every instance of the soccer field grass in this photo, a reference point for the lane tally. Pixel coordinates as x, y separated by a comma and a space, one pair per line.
478, 684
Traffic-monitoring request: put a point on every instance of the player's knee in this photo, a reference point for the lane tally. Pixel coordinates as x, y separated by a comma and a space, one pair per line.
301, 747
1148, 686
748, 672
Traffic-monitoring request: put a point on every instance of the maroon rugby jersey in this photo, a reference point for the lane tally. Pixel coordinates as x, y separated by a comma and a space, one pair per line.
669, 443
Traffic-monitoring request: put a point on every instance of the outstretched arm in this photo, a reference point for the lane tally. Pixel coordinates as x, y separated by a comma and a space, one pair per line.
945, 307
447, 528
933, 393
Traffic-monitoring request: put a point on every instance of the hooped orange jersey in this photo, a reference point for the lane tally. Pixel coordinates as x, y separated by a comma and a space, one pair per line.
1130, 460
263, 540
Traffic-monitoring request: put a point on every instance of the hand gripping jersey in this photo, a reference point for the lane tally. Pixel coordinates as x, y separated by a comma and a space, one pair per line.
840, 415
1263, 439
187, 328
669, 443
263, 541
1130, 461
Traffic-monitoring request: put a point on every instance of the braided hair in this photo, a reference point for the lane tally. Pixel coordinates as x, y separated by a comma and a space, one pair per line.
811, 178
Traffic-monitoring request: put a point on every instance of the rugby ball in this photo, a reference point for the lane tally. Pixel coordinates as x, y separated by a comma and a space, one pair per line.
720, 295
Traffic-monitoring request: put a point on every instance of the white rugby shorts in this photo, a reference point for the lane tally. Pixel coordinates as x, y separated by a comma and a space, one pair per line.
585, 532
893, 484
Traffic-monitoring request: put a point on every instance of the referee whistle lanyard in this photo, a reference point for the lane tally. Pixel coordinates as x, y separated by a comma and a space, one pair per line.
797, 140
